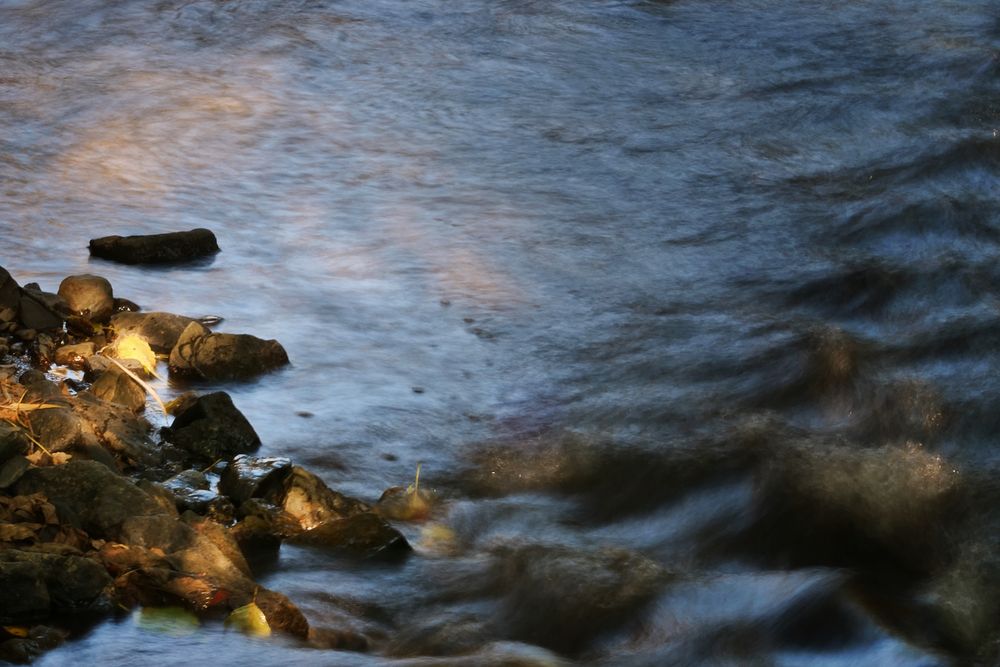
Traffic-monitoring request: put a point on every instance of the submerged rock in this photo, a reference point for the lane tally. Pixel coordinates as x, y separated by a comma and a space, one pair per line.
88, 296
156, 248
311, 502
211, 428
202, 354
160, 330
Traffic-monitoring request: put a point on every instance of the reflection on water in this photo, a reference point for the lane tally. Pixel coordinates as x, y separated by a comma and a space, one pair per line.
698, 302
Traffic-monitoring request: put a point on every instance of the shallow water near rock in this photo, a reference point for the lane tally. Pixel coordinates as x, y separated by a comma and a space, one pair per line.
693, 302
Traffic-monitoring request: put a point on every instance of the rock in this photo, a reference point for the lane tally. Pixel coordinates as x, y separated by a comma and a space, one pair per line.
41, 310
40, 638
160, 330
89, 495
117, 429
562, 598
202, 354
117, 387
97, 364
74, 356
191, 491
364, 535
88, 296
211, 428
252, 477
58, 429
10, 296
126, 306
13, 441
156, 248
12, 470
305, 497
37, 584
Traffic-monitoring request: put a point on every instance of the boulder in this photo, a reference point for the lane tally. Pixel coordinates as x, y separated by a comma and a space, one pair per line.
42, 310
191, 490
10, 297
89, 495
160, 330
305, 497
199, 353
172, 247
364, 535
253, 477
88, 296
210, 427
115, 386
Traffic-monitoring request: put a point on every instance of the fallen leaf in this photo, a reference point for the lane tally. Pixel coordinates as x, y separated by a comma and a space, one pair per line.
131, 346
250, 620
16, 630
171, 621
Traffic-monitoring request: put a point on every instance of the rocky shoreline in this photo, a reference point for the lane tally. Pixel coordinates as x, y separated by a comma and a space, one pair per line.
101, 512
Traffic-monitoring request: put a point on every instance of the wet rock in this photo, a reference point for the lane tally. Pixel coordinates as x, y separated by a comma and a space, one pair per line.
58, 429
311, 502
562, 598
221, 538
40, 638
126, 306
158, 531
117, 429
74, 356
172, 247
253, 477
363, 535
88, 296
36, 584
97, 364
202, 354
42, 310
89, 495
115, 386
191, 490
259, 540
160, 330
210, 427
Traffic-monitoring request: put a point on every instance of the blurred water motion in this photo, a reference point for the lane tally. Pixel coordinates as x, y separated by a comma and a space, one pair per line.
700, 301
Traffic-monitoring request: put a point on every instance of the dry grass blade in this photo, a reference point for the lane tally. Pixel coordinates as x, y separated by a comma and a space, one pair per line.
142, 383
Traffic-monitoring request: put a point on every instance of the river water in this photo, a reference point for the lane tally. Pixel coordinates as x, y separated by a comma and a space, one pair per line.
688, 309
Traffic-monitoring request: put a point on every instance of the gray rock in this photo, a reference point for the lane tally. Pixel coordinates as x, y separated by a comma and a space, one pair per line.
172, 247
160, 330
88, 296
99, 499
115, 386
191, 490
58, 429
42, 310
253, 477
202, 354
13, 441
210, 427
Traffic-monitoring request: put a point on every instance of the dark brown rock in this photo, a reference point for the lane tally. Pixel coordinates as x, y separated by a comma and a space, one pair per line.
364, 535
36, 584
160, 330
40, 310
91, 495
211, 428
253, 477
10, 297
74, 356
88, 296
311, 502
167, 248
199, 353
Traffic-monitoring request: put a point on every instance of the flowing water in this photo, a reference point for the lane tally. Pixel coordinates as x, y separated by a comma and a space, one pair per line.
688, 308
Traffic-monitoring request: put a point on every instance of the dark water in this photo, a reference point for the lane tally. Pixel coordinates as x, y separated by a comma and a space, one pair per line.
701, 297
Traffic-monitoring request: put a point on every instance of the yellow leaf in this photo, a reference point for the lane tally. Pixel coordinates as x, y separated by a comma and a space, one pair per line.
16, 630
171, 621
250, 620
131, 346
